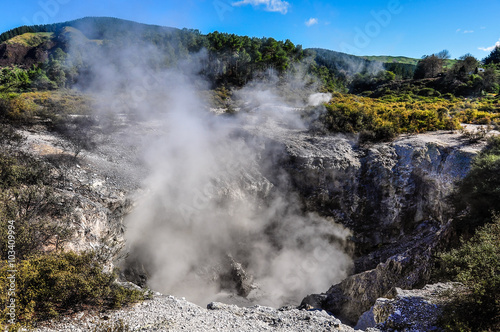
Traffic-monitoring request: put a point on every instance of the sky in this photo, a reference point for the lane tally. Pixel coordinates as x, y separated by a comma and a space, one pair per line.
410, 28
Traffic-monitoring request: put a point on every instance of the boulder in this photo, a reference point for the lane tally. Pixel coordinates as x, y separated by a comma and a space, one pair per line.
409, 310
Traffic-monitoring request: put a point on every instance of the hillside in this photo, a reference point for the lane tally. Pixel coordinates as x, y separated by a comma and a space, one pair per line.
391, 59
346, 64
402, 59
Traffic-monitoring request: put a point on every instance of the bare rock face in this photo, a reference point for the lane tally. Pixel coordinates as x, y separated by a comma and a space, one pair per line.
236, 277
385, 193
408, 310
357, 293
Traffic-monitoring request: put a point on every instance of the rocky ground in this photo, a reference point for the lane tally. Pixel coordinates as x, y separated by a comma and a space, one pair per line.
404, 310
167, 313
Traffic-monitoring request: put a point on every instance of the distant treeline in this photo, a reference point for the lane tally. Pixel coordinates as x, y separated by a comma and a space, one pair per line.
343, 64
233, 59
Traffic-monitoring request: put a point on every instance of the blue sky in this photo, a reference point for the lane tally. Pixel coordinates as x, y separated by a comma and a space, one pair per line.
379, 27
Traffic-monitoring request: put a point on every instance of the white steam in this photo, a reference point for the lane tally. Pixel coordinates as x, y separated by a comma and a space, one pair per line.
317, 99
207, 196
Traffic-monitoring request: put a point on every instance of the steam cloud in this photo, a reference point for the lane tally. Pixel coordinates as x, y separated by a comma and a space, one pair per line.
208, 204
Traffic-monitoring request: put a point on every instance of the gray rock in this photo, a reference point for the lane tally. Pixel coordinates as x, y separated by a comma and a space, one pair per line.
237, 279
167, 313
388, 194
409, 310
357, 293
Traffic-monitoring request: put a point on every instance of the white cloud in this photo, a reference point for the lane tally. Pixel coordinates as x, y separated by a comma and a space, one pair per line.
491, 48
311, 21
468, 31
270, 5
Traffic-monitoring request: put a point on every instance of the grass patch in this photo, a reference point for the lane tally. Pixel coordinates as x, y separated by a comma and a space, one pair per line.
31, 39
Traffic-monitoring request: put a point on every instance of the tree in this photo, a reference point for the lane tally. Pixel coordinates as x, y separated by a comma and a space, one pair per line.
444, 55
493, 57
467, 65
478, 193
430, 66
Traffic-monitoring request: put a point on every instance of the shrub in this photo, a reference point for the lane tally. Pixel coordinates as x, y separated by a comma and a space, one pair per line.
50, 285
478, 194
384, 118
427, 92
476, 264
27, 199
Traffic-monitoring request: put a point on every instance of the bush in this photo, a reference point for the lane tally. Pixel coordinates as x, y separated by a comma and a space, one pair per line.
50, 285
478, 194
27, 199
476, 264
384, 118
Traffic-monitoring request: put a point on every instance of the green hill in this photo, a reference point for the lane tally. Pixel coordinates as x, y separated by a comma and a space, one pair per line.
391, 59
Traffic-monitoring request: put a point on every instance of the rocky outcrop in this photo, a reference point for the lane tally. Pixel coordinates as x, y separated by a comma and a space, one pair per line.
386, 193
357, 293
236, 279
391, 195
409, 310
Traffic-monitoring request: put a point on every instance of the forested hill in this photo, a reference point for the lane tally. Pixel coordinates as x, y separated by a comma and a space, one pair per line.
233, 59
52, 56
347, 64
94, 28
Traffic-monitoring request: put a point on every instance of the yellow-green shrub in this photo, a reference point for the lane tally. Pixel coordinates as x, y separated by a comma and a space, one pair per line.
50, 285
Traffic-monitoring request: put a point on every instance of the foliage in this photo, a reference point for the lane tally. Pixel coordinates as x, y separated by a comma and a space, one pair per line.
401, 70
27, 199
431, 65
15, 32
236, 59
478, 194
493, 57
392, 59
31, 39
476, 264
381, 118
368, 82
50, 285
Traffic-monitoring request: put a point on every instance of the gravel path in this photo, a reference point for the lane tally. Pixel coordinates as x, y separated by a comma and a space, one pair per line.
167, 313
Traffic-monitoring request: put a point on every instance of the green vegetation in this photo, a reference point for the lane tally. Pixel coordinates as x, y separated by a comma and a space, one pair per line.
55, 284
478, 194
493, 57
49, 281
388, 96
385, 117
476, 261
391, 59
31, 39
476, 264
344, 66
